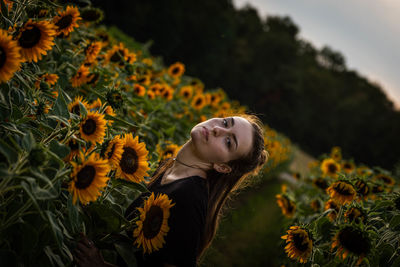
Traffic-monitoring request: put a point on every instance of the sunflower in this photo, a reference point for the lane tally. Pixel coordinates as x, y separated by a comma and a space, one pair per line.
93, 127
114, 151
8, 4
299, 244
74, 107
151, 95
133, 165
364, 171
109, 111
10, 58
170, 150
74, 149
92, 51
321, 183
81, 77
145, 79
176, 70
362, 188
186, 92
92, 14
88, 178
330, 167
95, 105
168, 94
342, 192
67, 20
386, 179
354, 214
351, 239
336, 153
156, 88
348, 167
153, 223
139, 90
214, 100
49, 78
147, 61
330, 204
198, 85
198, 101
119, 54
315, 205
287, 206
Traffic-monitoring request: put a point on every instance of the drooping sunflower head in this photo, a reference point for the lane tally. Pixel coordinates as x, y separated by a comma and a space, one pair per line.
198, 101
348, 167
330, 204
93, 127
92, 15
114, 151
67, 20
342, 192
176, 70
75, 106
88, 178
153, 223
362, 188
10, 58
35, 39
186, 92
167, 151
133, 165
299, 244
351, 239
355, 214
287, 206
330, 167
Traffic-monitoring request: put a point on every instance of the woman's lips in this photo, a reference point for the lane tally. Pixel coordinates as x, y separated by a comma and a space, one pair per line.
205, 132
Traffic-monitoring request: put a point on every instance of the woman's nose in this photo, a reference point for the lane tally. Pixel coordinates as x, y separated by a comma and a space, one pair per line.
219, 130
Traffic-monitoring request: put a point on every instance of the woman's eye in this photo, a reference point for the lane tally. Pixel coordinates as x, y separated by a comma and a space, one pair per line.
225, 122
228, 142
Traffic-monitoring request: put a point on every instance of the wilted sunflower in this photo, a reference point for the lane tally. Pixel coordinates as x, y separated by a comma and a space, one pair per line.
362, 188
351, 239
330, 204
139, 90
299, 244
330, 167
348, 167
10, 58
153, 223
354, 214
92, 50
341, 192
176, 70
67, 20
93, 127
88, 178
81, 76
287, 206
114, 152
74, 107
170, 150
35, 39
186, 92
198, 101
133, 165
74, 149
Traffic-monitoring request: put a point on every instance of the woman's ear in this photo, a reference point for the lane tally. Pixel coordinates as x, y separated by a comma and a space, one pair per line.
222, 167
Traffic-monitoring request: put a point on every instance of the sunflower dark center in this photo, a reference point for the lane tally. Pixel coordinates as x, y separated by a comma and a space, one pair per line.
186, 94
198, 102
347, 166
109, 154
64, 22
85, 177
175, 70
73, 145
129, 160
3, 57
343, 189
76, 110
332, 168
30, 37
385, 179
116, 57
354, 241
152, 223
89, 127
300, 241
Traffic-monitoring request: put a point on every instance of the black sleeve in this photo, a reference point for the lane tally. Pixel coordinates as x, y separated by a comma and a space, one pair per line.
186, 222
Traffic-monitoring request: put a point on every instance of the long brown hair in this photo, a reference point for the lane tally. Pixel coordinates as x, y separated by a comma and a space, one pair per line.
222, 185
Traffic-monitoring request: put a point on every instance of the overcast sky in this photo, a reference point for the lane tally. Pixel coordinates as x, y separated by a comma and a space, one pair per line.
366, 32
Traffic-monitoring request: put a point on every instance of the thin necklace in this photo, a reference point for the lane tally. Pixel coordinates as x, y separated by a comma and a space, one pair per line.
190, 166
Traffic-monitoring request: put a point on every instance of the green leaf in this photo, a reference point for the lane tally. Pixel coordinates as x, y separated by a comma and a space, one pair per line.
82, 109
170, 131
55, 259
28, 142
59, 149
28, 190
382, 204
8, 152
109, 117
127, 252
135, 186
16, 113
60, 108
395, 221
56, 230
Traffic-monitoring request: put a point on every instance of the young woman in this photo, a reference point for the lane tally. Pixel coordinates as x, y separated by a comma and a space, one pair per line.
210, 166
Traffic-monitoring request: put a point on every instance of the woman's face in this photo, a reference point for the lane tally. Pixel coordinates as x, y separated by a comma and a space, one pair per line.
220, 140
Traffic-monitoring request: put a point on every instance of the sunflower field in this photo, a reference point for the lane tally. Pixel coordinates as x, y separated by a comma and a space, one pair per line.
341, 214
86, 114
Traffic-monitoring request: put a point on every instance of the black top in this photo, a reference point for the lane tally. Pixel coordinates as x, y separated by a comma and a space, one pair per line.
186, 221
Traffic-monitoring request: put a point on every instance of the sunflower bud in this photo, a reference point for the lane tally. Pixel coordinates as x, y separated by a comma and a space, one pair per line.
38, 156
114, 98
